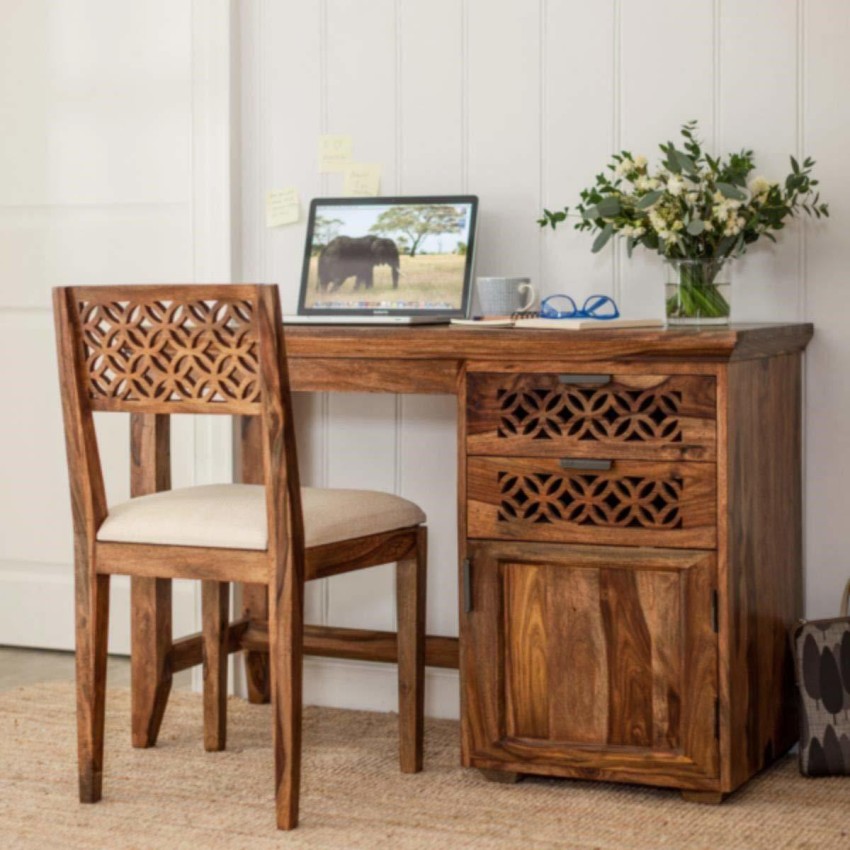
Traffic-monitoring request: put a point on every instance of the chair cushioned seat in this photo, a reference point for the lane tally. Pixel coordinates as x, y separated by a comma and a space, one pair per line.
233, 516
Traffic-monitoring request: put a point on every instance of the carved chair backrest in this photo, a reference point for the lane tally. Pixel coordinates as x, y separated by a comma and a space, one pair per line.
175, 349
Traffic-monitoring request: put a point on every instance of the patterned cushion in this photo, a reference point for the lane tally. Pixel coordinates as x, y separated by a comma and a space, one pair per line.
233, 516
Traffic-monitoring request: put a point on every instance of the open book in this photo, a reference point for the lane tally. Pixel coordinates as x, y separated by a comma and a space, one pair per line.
559, 324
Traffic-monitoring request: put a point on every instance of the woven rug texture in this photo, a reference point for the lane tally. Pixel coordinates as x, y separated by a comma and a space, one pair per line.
353, 796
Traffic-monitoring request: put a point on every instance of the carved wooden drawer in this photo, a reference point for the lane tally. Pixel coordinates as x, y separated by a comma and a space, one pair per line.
656, 417
631, 503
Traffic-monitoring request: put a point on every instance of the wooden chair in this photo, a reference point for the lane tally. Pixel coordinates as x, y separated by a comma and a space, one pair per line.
217, 349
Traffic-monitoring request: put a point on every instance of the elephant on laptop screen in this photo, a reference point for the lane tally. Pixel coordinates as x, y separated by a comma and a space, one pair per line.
346, 256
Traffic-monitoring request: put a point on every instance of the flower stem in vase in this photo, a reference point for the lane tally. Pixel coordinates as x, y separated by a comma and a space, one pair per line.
697, 293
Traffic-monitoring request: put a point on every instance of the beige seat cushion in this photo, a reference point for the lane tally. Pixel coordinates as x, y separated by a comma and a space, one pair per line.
233, 516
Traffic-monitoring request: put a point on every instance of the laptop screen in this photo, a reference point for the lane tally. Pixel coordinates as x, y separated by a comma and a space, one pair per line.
389, 256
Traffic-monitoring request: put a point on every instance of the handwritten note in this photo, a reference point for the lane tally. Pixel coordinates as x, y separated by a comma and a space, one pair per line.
335, 152
361, 179
282, 207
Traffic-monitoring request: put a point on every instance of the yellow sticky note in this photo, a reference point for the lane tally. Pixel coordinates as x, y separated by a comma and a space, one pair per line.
362, 179
335, 152
282, 207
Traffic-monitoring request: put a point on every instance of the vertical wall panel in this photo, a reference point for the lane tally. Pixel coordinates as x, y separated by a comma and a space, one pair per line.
431, 160
292, 81
361, 84
503, 102
666, 77
96, 187
288, 93
521, 102
578, 87
758, 110
827, 302
430, 97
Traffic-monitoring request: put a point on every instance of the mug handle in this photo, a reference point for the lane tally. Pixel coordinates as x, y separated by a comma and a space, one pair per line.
532, 296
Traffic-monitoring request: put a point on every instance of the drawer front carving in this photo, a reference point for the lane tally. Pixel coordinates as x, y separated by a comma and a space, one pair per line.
669, 417
633, 503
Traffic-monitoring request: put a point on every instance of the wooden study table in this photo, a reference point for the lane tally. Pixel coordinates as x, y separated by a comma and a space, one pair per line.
634, 494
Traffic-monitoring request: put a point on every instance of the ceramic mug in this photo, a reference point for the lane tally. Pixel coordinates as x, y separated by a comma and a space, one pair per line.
501, 296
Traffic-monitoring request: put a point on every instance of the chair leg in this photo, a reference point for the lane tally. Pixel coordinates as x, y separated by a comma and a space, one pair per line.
215, 602
255, 606
410, 589
286, 634
150, 644
92, 616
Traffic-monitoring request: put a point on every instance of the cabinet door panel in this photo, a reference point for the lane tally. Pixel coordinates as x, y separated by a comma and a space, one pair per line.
593, 662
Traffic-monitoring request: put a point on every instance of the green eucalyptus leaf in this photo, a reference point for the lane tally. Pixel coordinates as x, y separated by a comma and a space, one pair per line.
696, 227
602, 239
607, 208
649, 199
685, 162
731, 192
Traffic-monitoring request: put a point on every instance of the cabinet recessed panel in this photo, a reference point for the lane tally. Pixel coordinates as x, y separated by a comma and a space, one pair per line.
605, 660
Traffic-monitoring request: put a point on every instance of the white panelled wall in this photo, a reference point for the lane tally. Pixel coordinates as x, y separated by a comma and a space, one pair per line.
115, 166
521, 102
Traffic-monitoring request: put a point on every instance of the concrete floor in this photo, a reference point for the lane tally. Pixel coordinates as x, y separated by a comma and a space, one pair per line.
30, 666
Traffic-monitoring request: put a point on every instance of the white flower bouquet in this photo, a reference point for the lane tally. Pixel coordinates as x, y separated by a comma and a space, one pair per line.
693, 209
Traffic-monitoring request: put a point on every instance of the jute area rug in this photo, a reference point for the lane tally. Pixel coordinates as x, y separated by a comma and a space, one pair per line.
178, 796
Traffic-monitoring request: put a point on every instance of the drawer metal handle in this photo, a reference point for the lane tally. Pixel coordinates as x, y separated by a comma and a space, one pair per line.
579, 378
586, 463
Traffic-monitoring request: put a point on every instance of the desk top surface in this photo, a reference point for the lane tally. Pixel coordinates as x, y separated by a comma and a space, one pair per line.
452, 342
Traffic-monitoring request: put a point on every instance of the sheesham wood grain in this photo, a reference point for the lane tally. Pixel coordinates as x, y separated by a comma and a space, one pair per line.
761, 579
262, 378
255, 597
577, 714
193, 562
486, 497
354, 644
91, 591
659, 597
215, 604
629, 660
150, 598
551, 417
411, 579
738, 341
527, 651
317, 374
647, 622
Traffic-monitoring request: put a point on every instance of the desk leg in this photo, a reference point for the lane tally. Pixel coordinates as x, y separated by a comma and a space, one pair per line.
150, 599
255, 597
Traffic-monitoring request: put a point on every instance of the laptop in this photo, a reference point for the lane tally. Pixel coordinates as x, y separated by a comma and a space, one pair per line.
387, 261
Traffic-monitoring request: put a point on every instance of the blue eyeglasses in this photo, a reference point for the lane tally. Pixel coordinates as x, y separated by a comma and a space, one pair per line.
563, 307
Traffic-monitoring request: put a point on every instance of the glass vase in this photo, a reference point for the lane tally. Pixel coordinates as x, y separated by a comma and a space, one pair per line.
698, 292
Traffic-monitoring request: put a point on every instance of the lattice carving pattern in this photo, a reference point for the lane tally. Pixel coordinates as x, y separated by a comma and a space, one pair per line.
581, 413
630, 501
170, 351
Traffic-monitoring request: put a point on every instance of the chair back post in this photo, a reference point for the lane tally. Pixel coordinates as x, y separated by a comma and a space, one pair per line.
280, 461
88, 496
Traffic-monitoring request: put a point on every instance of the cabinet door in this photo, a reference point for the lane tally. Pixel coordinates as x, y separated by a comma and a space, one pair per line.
593, 662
